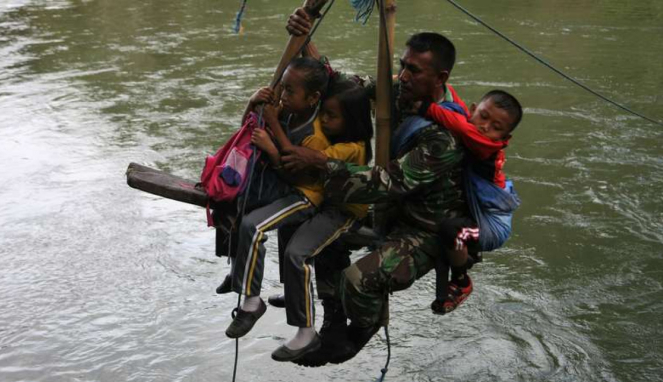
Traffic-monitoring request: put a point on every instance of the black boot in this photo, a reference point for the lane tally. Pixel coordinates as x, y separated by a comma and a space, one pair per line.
335, 343
277, 300
225, 286
334, 317
360, 335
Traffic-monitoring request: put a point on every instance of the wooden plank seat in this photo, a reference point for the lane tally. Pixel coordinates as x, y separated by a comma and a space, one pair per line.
169, 186
173, 187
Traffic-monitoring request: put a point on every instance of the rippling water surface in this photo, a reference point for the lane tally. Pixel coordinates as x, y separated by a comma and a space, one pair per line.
100, 282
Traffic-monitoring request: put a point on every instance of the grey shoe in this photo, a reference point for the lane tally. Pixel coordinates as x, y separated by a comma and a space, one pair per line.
334, 338
243, 321
285, 354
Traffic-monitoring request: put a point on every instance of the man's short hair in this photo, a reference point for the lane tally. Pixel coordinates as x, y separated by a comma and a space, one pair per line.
506, 102
444, 52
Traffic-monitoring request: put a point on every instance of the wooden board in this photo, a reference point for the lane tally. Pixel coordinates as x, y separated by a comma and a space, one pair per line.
169, 186
173, 187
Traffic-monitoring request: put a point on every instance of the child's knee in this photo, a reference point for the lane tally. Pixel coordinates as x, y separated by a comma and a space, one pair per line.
247, 225
295, 255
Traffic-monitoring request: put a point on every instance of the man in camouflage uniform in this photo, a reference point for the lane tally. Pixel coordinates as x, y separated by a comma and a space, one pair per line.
423, 181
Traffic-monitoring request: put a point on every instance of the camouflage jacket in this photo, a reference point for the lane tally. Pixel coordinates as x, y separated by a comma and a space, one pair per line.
424, 182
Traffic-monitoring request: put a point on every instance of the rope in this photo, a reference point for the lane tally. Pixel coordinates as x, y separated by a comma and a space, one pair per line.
383, 21
308, 39
550, 66
386, 365
322, 16
238, 18
232, 314
364, 9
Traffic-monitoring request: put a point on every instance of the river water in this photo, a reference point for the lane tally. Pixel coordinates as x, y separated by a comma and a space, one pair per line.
101, 282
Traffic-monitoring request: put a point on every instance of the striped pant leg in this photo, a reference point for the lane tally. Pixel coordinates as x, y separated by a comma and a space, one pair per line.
308, 241
328, 267
247, 269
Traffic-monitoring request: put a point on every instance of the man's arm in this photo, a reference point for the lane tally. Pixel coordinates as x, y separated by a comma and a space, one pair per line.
297, 159
299, 23
424, 165
302, 158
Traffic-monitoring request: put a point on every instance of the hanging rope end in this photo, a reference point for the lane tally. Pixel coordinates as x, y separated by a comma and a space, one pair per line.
381, 378
238, 28
364, 10
384, 370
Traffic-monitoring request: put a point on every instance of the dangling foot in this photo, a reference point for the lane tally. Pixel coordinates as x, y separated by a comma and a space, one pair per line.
348, 344
277, 300
333, 335
457, 292
225, 286
302, 338
305, 341
360, 335
252, 309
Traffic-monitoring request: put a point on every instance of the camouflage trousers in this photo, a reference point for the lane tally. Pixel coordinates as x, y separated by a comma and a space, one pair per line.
406, 255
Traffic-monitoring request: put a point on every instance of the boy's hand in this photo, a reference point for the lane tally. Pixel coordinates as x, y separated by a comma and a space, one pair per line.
263, 95
261, 139
299, 23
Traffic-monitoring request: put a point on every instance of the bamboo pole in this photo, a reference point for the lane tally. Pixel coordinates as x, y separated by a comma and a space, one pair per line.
295, 43
384, 85
384, 89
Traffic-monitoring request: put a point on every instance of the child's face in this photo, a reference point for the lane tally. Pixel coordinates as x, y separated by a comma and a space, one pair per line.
491, 121
293, 96
331, 118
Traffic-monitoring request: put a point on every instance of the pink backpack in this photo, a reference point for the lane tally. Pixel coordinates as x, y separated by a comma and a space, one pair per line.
226, 173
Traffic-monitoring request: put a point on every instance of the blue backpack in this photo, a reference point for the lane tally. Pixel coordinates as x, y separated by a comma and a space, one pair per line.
491, 206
